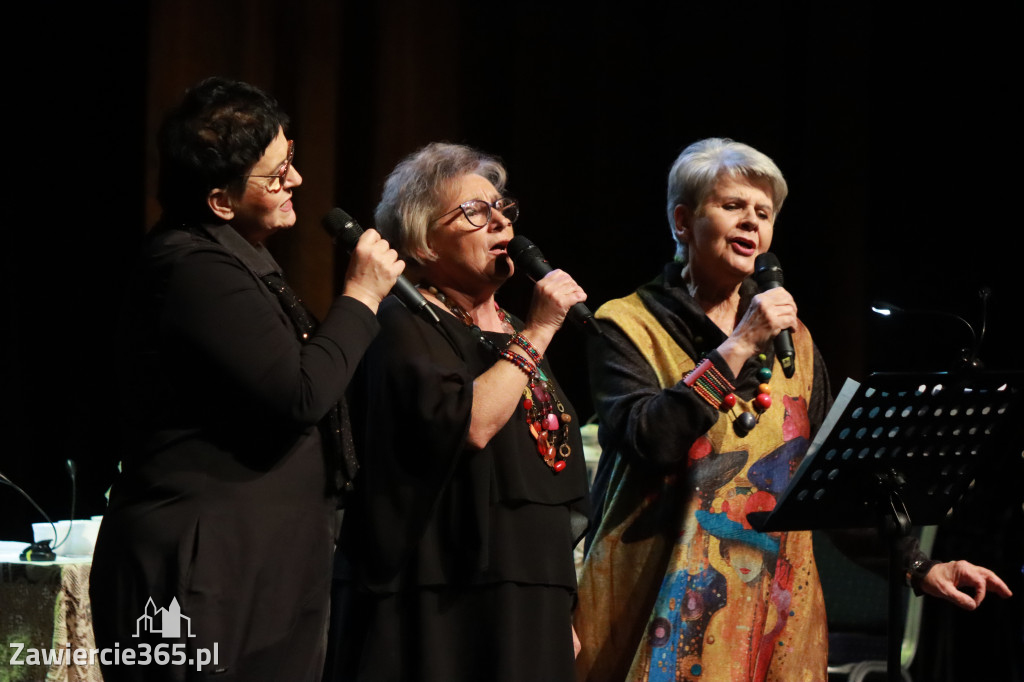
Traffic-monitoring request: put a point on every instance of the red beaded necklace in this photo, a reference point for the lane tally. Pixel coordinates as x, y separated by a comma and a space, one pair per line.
545, 414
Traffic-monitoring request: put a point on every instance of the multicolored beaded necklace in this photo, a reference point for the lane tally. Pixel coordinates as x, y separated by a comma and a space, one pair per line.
545, 414
712, 386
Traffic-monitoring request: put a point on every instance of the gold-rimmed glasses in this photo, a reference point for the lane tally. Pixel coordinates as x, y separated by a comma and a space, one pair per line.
275, 182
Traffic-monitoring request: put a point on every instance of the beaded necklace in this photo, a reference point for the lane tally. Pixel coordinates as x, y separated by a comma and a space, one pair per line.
545, 414
707, 382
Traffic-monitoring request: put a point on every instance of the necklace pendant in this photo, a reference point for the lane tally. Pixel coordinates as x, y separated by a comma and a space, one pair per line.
744, 424
539, 400
527, 399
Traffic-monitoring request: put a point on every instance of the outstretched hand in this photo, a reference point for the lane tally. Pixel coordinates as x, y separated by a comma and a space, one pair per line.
945, 581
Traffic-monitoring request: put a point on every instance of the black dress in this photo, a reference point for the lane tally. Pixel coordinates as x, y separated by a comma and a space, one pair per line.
462, 558
226, 502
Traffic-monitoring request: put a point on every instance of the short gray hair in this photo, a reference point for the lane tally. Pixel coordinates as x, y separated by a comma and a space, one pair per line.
698, 167
416, 189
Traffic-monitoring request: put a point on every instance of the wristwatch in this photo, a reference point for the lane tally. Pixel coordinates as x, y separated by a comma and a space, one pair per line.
918, 569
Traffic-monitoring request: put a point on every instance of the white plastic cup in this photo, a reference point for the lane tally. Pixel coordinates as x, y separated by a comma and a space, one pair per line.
80, 540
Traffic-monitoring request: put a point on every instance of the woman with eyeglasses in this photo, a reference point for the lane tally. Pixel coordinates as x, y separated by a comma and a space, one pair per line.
214, 557
473, 490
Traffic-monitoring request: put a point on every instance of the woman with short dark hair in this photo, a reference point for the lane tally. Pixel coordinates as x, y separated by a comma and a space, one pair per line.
236, 437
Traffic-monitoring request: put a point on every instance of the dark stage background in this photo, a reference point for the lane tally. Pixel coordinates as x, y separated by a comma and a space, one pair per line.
898, 132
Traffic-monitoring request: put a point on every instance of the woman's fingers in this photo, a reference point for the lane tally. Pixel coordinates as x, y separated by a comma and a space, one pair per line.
945, 580
554, 294
372, 270
768, 314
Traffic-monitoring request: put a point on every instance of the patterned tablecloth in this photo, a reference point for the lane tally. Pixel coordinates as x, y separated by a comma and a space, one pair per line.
45, 606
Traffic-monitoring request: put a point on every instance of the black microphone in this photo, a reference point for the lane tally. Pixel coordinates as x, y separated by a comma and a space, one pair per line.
343, 227
530, 260
768, 275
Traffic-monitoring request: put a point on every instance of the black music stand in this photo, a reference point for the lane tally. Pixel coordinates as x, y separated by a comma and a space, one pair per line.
895, 448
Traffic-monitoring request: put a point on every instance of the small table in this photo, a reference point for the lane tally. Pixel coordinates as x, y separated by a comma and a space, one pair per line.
44, 605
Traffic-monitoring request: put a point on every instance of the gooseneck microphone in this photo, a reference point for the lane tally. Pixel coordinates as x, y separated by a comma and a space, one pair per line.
968, 356
768, 275
42, 551
343, 228
531, 261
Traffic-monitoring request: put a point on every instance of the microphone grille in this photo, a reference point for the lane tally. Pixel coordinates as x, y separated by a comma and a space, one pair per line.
519, 245
767, 269
343, 227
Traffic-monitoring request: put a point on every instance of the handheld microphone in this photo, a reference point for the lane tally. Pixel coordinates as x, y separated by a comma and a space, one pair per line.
768, 275
344, 228
530, 260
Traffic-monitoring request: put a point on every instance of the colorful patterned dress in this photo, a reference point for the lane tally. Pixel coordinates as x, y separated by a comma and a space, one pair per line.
677, 585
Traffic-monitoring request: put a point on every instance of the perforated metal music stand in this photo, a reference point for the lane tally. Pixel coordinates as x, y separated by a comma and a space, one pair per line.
896, 450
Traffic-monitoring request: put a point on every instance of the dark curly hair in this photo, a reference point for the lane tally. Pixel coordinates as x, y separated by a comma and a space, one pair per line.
219, 131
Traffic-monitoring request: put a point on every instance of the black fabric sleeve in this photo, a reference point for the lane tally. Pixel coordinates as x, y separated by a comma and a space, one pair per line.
866, 547
414, 374
418, 404
223, 328
638, 419
821, 394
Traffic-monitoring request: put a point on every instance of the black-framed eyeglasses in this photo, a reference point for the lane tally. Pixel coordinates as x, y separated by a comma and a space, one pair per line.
276, 181
478, 211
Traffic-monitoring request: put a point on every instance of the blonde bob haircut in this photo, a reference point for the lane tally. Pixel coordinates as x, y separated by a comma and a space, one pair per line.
699, 166
416, 191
